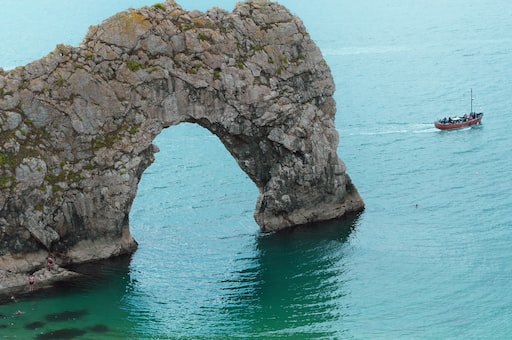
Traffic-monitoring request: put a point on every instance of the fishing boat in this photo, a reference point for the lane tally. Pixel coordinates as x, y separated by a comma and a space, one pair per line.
450, 123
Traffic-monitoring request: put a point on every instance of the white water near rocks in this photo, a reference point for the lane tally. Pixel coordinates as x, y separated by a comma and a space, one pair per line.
428, 258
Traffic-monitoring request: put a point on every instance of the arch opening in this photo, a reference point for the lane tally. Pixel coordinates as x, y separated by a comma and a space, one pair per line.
194, 181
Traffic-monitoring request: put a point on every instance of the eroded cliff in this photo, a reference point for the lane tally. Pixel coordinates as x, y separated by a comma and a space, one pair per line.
76, 127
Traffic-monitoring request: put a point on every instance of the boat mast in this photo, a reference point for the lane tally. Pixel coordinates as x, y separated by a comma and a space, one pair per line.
471, 101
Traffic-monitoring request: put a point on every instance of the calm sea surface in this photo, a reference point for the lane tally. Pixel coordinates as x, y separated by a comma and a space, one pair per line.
431, 255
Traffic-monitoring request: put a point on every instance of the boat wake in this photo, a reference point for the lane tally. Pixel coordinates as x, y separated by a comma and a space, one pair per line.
390, 128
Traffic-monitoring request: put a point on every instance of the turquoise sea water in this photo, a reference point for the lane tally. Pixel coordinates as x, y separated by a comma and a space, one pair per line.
429, 258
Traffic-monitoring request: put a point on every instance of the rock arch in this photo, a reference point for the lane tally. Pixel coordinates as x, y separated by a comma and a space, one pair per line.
77, 125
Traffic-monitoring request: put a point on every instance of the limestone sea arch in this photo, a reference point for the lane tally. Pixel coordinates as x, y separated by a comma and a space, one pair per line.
77, 126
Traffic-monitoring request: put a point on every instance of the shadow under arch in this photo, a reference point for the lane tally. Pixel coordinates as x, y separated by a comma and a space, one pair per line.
281, 285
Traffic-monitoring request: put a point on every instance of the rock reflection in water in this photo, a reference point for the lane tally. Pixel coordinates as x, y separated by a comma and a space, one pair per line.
294, 284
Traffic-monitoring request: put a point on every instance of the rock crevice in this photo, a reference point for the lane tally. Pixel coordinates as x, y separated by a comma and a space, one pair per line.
76, 127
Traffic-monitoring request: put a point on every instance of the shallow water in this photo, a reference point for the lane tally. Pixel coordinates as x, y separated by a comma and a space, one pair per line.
428, 258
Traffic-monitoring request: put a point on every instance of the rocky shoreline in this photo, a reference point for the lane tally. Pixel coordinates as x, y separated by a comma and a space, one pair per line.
13, 284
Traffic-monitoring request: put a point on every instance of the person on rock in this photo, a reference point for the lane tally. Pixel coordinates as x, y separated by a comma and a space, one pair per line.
31, 281
49, 263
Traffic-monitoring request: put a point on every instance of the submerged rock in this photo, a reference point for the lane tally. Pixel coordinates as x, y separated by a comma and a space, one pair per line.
67, 315
76, 127
99, 328
65, 333
34, 325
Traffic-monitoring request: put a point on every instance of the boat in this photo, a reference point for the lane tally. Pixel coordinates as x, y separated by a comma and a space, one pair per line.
450, 123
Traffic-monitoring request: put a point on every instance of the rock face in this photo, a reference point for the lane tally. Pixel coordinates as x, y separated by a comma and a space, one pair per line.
76, 127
